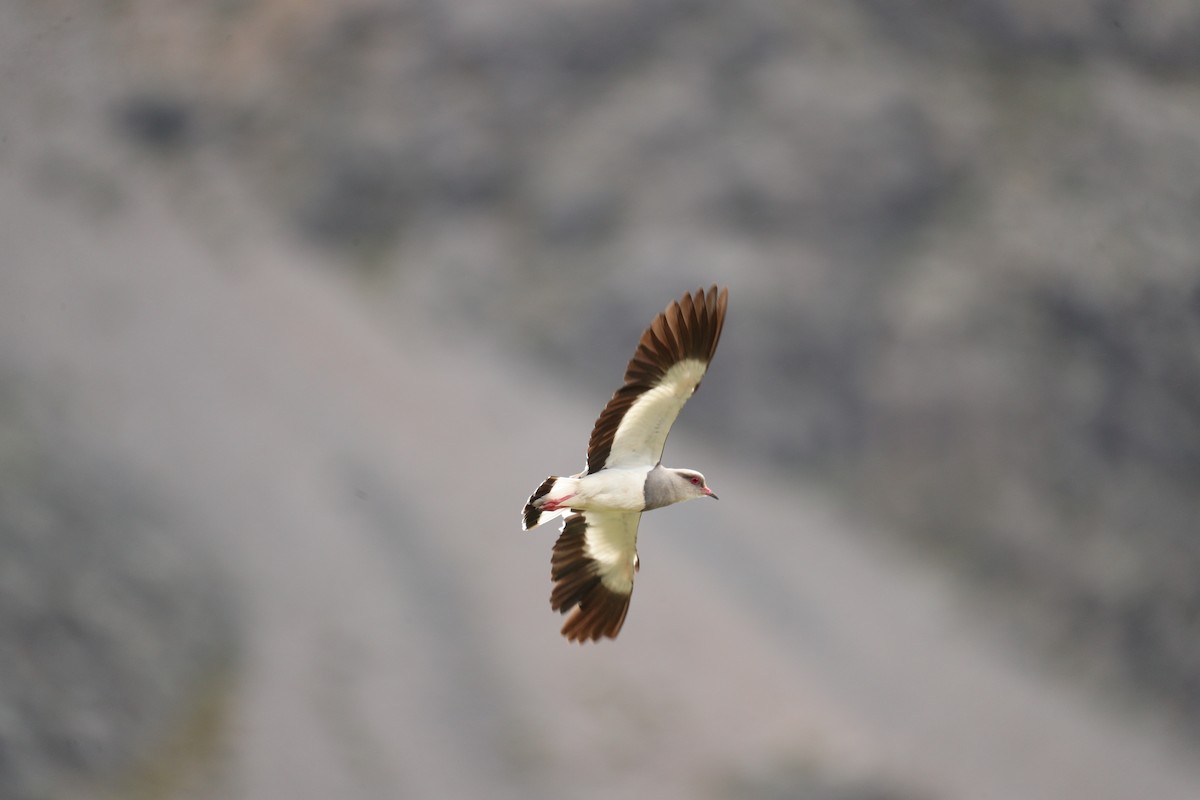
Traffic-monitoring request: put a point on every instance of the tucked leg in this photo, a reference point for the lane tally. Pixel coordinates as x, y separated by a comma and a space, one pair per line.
558, 504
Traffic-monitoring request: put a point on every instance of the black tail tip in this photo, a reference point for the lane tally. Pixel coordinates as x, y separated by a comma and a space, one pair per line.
531, 513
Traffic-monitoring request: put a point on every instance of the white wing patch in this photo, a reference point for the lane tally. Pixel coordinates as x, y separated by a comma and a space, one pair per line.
642, 434
611, 541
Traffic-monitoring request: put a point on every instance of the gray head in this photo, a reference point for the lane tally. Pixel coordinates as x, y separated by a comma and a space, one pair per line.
667, 486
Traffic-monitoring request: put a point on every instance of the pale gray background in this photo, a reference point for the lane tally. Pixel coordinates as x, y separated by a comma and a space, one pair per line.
299, 301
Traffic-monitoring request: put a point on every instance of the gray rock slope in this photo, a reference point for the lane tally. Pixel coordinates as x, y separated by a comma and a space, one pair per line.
966, 236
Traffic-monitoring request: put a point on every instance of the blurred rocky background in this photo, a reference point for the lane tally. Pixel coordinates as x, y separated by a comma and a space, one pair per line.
964, 264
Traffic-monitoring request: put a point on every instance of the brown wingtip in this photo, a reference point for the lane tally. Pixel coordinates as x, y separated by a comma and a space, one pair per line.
596, 611
716, 311
600, 614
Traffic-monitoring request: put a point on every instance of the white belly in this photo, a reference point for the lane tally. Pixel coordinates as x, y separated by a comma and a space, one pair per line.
617, 489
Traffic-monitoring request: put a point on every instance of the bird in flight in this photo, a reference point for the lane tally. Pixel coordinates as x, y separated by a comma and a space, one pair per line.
595, 557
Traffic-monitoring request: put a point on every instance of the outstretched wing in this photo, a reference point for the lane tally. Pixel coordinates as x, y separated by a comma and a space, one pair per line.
592, 567
666, 368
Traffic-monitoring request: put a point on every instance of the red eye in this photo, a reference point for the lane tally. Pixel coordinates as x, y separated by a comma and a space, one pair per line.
695, 481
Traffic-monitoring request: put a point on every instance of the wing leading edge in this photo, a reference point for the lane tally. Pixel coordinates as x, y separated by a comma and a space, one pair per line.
667, 367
